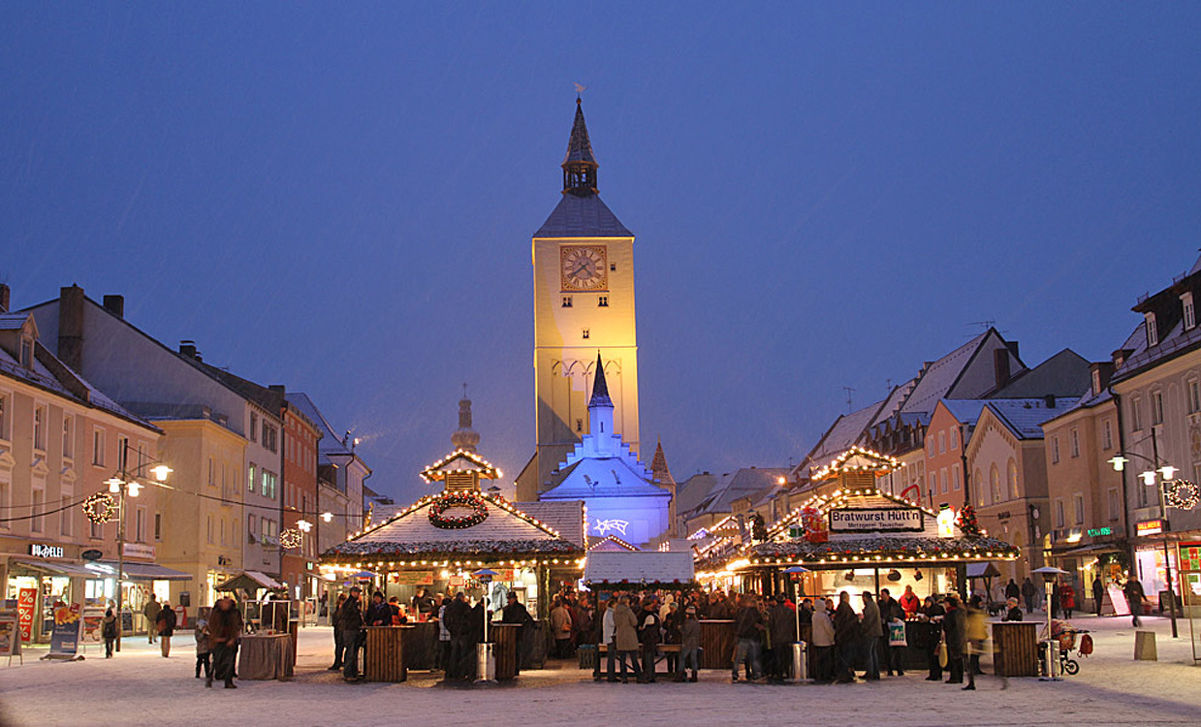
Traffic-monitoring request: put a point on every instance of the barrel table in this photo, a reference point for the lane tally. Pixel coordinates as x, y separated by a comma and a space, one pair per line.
505, 638
383, 655
1016, 646
717, 643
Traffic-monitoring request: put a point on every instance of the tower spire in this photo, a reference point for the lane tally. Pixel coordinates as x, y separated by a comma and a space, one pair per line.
600, 387
465, 438
579, 165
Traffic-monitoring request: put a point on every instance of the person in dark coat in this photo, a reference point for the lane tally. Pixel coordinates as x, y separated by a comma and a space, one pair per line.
1098, 594
1135, 595
748, 628
225, 628
934, 614
204, 647
891, 612
166, 627
1028, 593
108, 629
1012, 590
649, 635
339, 644
673, 623
457, 618
690, 644
954, 626
846, 638
423, 604
782, 633
515, 613
350, 623
379, 613
871, 631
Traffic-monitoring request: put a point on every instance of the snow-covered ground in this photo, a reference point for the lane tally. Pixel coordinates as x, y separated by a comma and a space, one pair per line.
140, 687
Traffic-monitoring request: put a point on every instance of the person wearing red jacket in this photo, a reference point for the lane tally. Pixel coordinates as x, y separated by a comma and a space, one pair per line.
909, 602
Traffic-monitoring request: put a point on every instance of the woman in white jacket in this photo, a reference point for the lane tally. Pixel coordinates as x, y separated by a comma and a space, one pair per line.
822, 643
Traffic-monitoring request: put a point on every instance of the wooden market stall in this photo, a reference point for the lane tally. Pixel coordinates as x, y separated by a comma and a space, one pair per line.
439, 541
854, 537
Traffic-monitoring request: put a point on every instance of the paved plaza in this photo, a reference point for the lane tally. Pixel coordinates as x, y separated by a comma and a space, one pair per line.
139, 687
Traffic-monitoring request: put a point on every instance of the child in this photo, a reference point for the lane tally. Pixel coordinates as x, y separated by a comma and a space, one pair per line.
203, 650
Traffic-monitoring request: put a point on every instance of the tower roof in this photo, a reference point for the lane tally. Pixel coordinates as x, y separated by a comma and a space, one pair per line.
659, 466
600, 388
579, 147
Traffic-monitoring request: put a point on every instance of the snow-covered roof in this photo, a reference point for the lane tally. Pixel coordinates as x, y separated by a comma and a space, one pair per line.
643, 568
937, 379
564, 516
1024, 416
750, 482
331, 441
608, 477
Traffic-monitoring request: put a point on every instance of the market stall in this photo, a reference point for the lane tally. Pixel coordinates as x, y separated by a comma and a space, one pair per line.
438, 542
856, 538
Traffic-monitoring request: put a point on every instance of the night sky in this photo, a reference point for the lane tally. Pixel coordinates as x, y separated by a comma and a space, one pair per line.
340, 197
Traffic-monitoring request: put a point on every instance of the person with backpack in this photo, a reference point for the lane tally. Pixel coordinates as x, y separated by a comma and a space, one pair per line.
166, 627
108, 629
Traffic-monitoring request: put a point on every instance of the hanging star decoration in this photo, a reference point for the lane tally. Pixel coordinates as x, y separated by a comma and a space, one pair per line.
1182, 495
100, 508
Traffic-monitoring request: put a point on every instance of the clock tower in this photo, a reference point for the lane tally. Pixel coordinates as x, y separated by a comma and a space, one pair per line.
583, 305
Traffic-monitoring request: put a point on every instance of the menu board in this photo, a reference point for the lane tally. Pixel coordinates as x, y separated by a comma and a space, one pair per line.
93, 621
10, 643
1121, 607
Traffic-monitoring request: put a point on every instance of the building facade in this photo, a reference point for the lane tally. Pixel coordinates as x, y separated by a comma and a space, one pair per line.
301, 500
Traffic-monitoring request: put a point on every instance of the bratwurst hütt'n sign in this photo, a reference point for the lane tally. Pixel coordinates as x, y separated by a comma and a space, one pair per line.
877, 520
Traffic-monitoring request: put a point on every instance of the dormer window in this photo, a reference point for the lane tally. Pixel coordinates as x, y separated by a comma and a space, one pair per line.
1190, 314
27, 353
1152, 333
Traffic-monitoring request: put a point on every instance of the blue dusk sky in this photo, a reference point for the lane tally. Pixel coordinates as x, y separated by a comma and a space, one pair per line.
340, 196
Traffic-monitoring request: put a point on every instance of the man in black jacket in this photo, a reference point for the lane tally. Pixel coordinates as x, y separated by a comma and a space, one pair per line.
954, 626
458, 623
649, 625
350, 623
846, 638
516, 613
782, 630
890, 611
749, 628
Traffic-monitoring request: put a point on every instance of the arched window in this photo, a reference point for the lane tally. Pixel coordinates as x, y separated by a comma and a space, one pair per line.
994, 478
1013, 480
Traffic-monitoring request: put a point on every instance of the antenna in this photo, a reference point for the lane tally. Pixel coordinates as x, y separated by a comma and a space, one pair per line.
850, 399
984, 324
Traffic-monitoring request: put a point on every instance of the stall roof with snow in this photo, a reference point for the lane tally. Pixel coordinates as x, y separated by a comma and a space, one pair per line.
609, 570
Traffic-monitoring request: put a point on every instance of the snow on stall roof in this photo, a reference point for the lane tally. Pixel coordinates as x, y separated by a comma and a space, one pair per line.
638, 567
565, 516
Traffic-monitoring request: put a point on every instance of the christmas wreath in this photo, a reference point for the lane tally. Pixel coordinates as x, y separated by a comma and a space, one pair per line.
100, 508
470, 500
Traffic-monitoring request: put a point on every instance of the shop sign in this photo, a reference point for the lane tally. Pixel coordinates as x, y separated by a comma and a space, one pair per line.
92, 554
26, 602
1149, 527
877, 520
413, 578
1099, 532
38, 550
1190, 557
139, 550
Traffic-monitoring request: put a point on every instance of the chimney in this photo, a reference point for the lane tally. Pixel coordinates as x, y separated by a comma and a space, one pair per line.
1049, 400
70, 327
1013, 348
5, 298
188, 348
1119, 357
115, 304
277, 388
1000, 357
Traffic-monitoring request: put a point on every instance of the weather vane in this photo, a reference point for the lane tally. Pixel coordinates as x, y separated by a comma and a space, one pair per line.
579, 88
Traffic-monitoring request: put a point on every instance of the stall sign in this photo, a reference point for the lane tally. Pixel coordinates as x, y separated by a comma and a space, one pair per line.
1098, 532
26, 602
64, 637
883, 519
413, 578
1149, 527
38, 550
457, 581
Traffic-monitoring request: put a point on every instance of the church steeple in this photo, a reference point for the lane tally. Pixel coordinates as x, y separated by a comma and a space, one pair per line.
465, 438
579, 165
600, 410
600, 387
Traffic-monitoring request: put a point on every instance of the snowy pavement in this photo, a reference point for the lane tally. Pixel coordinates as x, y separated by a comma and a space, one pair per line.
139, 687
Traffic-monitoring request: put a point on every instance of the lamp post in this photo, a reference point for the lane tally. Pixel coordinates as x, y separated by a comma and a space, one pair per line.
1150, 477
126, 482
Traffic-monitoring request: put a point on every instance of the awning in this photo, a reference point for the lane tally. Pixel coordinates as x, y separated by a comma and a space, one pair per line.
251, 580
982, 570
1090, 548
54, 567
147, 571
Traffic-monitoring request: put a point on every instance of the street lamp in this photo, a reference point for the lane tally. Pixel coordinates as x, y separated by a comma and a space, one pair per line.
1150, 478
123, 483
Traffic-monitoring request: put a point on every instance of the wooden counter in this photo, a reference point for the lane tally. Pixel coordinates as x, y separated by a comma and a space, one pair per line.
717, 643
383, 656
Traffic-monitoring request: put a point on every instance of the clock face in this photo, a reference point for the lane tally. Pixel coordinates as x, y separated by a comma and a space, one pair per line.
583, 267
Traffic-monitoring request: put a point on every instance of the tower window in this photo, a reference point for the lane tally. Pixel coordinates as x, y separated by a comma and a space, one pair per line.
579, 425
602, 301
612, 267
585, 333
567, 301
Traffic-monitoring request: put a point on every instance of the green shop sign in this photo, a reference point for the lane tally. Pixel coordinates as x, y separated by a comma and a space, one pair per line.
1096, 532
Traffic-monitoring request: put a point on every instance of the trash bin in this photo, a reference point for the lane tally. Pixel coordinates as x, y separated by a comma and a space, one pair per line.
797, 671
485, 669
